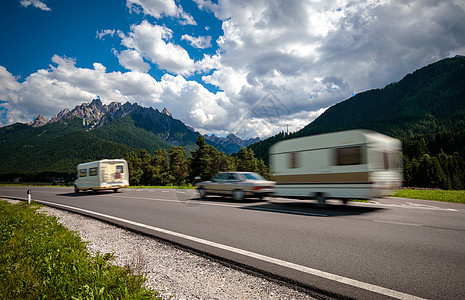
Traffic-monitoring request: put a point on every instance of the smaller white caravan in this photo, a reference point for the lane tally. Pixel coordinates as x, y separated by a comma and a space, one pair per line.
105, 174
353, 164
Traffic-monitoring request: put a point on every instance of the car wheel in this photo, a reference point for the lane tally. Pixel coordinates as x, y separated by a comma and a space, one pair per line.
238, 195
202, 193
76, 190
115, 190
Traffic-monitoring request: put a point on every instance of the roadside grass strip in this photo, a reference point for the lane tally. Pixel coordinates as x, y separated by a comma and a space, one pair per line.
437, 195
41, 259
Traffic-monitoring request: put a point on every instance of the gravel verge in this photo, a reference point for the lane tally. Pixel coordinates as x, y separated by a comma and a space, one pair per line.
175, 272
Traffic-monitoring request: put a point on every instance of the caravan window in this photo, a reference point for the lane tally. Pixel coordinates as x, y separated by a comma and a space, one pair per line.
83, 173
293, 160
378, 160
119, 169
395, 160
386, 160
349, 156
93, 172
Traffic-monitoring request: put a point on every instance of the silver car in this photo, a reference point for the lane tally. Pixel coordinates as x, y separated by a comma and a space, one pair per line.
239, 185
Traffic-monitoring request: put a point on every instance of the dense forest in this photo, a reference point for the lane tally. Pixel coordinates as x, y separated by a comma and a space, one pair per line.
176, 167
436, 160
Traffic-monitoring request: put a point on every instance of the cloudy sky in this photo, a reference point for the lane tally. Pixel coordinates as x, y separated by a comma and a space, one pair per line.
250, 67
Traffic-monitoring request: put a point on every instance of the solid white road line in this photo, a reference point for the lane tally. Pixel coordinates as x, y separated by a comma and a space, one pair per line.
279, 262
398, 223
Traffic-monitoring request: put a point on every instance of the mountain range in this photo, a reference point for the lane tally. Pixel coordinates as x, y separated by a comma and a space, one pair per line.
96, 115
107, 121
93, 131
231, 143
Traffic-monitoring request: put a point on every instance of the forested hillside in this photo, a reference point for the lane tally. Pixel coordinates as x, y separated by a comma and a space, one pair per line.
425, 110
54, 150
124, 131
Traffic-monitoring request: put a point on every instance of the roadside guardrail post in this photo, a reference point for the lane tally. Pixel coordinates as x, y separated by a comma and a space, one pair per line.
29, 196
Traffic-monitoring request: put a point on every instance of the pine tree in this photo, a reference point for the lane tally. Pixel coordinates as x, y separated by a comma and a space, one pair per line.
135, 171
246, 160
146, 167
178, 165
161, 165
201, 163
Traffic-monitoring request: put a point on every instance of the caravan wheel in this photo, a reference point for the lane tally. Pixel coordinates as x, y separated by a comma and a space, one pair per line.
320, 198
76, 190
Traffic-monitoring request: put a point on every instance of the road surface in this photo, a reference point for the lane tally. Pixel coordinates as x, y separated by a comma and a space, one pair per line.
389, 248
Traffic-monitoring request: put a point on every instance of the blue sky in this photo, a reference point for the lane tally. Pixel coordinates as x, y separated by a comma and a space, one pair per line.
216, 64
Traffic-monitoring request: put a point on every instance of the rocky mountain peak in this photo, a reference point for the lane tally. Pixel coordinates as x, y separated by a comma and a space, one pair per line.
94, 113
59, 116
39, 120
166, 112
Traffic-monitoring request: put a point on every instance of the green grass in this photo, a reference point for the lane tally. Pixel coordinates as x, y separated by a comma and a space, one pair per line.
41, 259
359, 200
437, 195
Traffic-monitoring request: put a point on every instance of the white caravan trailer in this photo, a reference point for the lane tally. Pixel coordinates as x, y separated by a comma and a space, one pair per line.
105, 174
354, 164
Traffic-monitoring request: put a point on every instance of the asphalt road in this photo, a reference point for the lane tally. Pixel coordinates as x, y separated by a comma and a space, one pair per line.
398, 248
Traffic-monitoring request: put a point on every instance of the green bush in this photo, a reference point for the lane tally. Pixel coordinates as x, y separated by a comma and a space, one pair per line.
40, 259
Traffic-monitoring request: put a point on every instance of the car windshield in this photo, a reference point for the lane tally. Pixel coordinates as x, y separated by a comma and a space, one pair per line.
220, 176
253, 176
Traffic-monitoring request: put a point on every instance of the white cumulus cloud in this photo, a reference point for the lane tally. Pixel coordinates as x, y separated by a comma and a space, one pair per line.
132, 60
192, 103
159, 8
201, 42
36, 3
101, 34
153, 42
